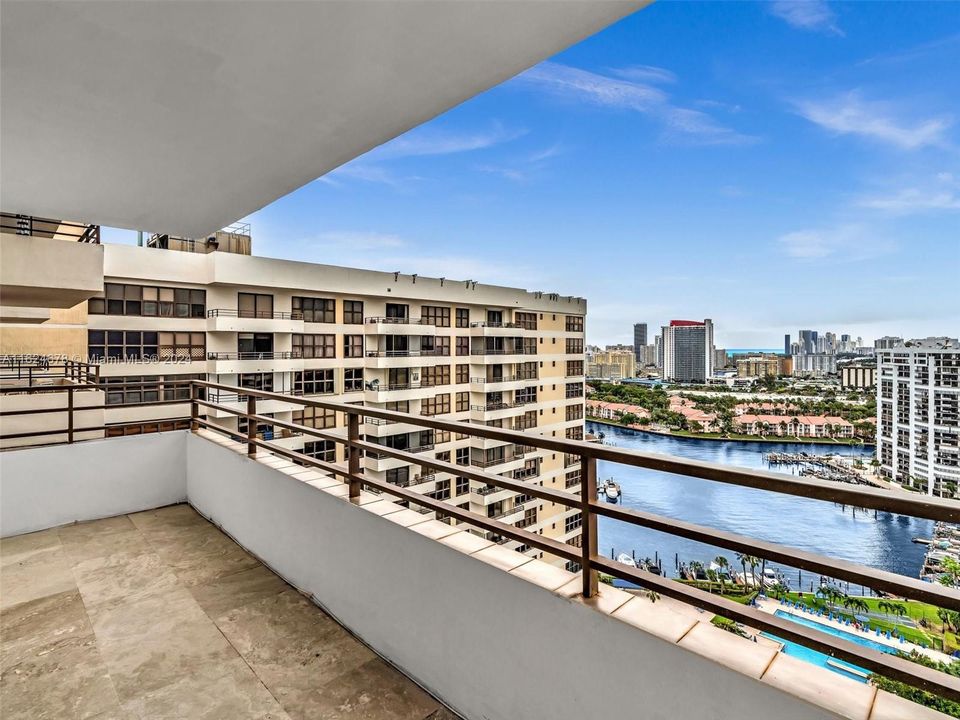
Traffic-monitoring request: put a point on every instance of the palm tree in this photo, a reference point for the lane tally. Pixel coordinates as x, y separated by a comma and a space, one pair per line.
712, 577
753, 561
944, 616
724, 566
696, 568
742, 557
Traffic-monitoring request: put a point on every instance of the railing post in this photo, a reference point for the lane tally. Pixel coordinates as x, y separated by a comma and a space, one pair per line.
69, 413
194, 407
353, 454
251, 425
588, 529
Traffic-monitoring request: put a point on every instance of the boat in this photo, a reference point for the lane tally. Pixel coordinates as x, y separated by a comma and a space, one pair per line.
922, 540
771, 577
610, 489
625, 559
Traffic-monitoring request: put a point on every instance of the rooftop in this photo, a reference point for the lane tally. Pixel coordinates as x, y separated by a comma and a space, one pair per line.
159, 614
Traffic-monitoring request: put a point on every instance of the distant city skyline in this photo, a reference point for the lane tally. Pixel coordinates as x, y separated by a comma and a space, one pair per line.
799, 169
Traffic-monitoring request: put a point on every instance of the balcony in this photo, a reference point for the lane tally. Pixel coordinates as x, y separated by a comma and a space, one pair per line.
663, 655
497, 329
232, 320
399, 358
397, 326
249, 362
47, 264
504, 383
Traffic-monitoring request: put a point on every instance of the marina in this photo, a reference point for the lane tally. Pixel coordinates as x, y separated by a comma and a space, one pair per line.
878, 539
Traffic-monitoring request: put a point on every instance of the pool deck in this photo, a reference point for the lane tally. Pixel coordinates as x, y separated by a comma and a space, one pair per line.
771, 606
160, 615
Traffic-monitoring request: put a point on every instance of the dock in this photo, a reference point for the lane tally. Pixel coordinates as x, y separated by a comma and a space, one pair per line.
824, 467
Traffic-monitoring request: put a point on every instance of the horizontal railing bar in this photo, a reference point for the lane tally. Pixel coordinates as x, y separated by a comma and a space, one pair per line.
41, 411
875, 499
38, 433
882, 663
913, 588
30, 389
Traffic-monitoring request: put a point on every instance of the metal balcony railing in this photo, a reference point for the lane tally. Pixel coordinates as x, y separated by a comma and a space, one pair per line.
591, 509
395, 320
504, 378
261, 314
28, 225
484, 324
276, 355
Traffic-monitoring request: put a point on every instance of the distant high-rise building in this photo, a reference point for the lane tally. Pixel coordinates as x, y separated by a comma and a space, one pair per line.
918, 414
688, 350
887, 342
786, 344
808, 341
639, 340
658, 348
720, 358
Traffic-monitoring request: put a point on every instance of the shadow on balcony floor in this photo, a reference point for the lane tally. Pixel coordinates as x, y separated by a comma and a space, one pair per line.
160, 615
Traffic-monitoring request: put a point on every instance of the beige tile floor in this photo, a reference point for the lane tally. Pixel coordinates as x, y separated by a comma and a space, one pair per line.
160, 615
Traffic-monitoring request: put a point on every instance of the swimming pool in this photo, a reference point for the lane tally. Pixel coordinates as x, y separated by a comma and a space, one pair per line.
818, 658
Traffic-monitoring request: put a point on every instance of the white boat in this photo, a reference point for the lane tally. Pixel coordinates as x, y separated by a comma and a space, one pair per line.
625, 559
771, 577
610, 489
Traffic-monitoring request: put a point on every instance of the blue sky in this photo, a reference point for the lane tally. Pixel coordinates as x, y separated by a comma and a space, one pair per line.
771, 166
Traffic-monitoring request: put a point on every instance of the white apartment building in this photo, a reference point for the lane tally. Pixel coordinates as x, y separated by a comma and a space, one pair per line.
918, 414
814, 364
462, 350
688, 350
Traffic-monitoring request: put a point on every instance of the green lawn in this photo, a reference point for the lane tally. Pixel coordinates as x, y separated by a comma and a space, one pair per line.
931, 635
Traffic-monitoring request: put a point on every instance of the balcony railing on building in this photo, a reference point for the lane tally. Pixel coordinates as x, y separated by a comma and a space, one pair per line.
30, 226
589, 508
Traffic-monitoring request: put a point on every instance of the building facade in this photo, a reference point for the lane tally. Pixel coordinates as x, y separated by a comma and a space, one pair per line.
859, 377
183, 310
814, 364
613, 364
760, 366
688, 350
918, 414
639, 341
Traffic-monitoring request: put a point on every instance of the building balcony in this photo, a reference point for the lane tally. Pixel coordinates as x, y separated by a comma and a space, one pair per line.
47, 264
163, 605
397, 326
498, 410
249, 362
232, 320
503, 383
398, 392
501, 329
401, 358
501, 357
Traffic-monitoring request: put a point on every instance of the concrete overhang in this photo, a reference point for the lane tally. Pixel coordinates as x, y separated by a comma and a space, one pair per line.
183, 117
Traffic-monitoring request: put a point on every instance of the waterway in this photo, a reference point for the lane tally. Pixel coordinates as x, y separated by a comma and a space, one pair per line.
881, 540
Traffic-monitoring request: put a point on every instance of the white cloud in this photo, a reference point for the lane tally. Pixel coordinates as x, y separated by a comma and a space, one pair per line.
913, 200
679, 123
430, 141
645, 73
849, 242
814, 15
850, 114
521, 169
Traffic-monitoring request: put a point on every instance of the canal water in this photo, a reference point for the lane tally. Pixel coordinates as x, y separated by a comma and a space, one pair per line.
881, 540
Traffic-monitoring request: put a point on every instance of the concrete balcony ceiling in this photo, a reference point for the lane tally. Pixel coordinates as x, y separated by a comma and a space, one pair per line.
183, 117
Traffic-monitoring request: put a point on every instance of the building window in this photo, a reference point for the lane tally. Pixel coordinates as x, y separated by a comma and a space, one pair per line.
574, 412
325, 450
441, 436
140, 345
353, 346
526, 421
148, 301
314, 346
313, 382
253, 305
463, 346
437, 405
314, 417
574, 390
433, 376
527, 321
439, 346
257, 381
575, 433
462, 486
322, 310
574, 323
463, 374
573, 522
442, 491
399, 476
574, 368
352, 379
353, 312
463, 401
147, 390
526, 395
463, 317
463, 456
574, 346
435, 315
